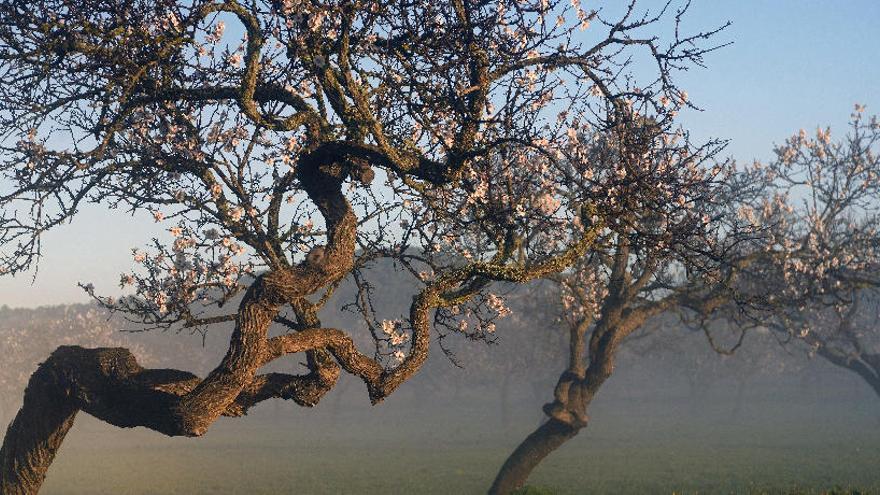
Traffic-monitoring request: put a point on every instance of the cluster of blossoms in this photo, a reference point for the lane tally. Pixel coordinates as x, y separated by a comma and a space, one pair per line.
831, 237
582, 293
496, 304
199, 268
477, 320
395, 338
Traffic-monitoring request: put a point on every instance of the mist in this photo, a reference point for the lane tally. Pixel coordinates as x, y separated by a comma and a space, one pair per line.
675, 417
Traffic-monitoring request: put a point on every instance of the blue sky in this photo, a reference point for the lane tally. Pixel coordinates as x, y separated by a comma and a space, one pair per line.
793, 64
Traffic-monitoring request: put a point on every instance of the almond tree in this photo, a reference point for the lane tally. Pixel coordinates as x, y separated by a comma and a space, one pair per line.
256, 152
673, 225
821, 281
790, 246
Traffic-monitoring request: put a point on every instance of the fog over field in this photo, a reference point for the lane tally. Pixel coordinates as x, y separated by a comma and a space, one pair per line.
676, 417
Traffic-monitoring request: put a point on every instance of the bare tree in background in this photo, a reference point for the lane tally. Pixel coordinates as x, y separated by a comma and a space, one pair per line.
256, 150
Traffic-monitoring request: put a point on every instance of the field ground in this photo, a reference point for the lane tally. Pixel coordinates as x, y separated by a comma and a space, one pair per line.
644, 446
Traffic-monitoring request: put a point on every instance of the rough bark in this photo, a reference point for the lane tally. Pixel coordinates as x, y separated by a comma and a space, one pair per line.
110, 385
574, 391
578, 384
538, 445
34, 436
107, 383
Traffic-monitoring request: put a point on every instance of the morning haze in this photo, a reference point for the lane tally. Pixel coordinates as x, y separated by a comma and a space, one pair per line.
519, 247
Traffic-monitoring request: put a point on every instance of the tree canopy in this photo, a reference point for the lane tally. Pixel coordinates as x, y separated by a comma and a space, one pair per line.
258, 151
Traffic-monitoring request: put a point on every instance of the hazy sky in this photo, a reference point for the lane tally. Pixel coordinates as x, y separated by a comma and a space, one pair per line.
793, 64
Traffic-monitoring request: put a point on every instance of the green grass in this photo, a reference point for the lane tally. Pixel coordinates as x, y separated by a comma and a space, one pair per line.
538, 490
388, 451
534, 490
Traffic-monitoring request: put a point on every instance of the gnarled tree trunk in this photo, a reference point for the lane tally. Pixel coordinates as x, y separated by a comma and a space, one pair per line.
109, 384
574, 391
34, 436
538, 445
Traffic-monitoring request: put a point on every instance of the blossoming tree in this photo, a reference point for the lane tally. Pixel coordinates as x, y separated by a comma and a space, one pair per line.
672, 224
255, 151
791, 247
820, 286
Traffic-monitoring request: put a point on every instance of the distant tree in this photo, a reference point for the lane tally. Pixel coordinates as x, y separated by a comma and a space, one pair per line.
820, 288
791, 247
674, 226
240, 146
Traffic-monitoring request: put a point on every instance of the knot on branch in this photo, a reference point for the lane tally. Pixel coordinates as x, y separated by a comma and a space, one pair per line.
560, 412
316, 256
378, 391
362, 172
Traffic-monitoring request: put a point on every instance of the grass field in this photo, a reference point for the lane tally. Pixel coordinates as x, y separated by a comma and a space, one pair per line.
648, 447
